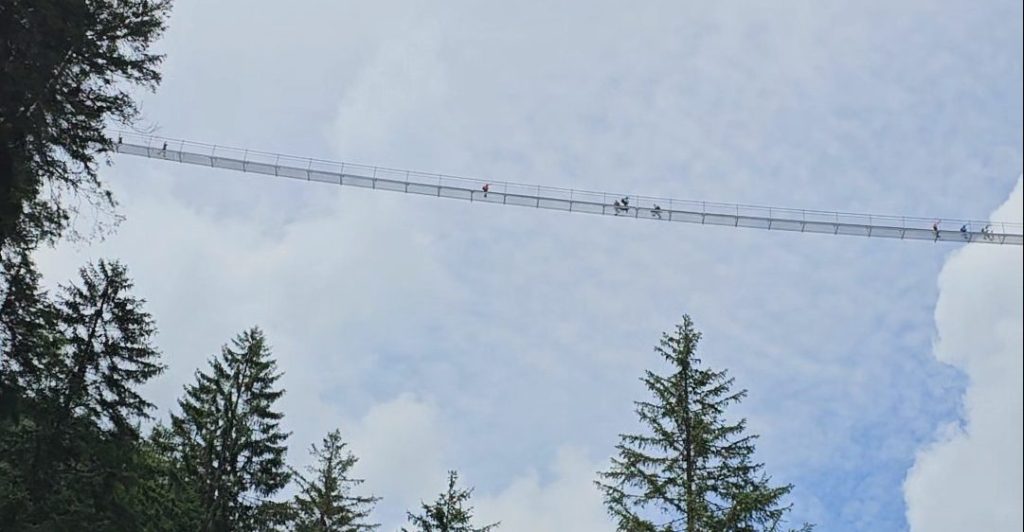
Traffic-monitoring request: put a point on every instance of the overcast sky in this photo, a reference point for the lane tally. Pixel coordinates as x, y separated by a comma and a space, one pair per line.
508, 343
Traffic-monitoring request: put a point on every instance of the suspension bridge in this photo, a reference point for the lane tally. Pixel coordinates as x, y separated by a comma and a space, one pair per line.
649, 208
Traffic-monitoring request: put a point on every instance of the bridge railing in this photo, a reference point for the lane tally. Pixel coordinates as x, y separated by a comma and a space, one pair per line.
658, 208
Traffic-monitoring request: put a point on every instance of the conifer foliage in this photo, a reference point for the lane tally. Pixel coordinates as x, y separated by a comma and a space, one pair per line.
691, 470
229, 437
107, 336
69, 381
449, 513
325, 502
68, 69
28, 326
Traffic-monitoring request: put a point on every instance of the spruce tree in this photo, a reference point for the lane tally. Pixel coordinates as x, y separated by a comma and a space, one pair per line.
325, 502
691, 470
449, 513
229, 437
82, 355
68, 68
108, 339
68, 447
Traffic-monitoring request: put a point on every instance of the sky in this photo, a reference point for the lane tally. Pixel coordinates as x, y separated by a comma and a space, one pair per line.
508, 343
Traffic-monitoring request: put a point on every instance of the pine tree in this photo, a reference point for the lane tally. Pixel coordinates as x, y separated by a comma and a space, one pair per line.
449, 513
68, 69
229, 437
109, 353
83, 355
68, 448
325, 502
691, 471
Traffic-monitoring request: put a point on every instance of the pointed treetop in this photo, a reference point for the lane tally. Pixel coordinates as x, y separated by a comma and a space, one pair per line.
325, 502
449, 513
691, 469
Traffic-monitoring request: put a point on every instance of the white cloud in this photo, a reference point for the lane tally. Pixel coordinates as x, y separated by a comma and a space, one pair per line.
568, 501
404, 452
401, 446
970, 479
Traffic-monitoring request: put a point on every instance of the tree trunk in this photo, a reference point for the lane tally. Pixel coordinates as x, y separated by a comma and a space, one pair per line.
691, 526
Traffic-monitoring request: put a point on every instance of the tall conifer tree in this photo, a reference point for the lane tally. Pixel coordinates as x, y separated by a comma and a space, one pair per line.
325, 502
67, 450
691, 470
229, 436
108, 344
